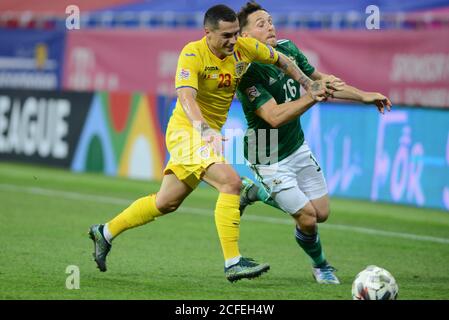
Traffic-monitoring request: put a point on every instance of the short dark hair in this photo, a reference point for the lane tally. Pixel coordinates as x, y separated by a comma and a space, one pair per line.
246, 10
218, 13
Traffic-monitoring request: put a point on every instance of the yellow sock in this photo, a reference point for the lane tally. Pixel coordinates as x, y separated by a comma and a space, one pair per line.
227, 220
141, 211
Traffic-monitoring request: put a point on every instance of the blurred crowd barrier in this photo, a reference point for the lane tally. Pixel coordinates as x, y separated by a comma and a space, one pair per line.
411, 67
143, 19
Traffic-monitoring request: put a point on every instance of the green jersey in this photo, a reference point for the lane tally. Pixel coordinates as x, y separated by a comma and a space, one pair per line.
260, 83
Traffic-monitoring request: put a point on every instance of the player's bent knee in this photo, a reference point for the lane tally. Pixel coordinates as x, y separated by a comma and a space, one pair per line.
321, 205
306, 218
308, 211
322, 215
308, 223
167, 206
232, 185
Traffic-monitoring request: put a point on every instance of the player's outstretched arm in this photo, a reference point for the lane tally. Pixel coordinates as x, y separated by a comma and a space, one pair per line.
352, 93
278, 115
377, 99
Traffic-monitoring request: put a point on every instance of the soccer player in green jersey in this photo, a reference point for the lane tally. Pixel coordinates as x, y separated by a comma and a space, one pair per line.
291, 178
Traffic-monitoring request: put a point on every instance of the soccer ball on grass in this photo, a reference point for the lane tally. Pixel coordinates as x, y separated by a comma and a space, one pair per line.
374, 283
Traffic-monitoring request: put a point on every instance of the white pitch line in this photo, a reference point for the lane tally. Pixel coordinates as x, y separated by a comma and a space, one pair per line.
205, 212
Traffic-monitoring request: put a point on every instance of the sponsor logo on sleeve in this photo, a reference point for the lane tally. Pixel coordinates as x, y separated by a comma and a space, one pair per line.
190, 55
252, 93
184, 74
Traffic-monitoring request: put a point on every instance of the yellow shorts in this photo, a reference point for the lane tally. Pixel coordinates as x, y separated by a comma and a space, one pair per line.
189, 155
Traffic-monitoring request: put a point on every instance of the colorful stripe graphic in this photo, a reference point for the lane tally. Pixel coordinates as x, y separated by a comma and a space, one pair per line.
121, 136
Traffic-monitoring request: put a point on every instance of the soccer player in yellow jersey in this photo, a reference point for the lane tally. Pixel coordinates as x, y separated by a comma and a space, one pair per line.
206, 79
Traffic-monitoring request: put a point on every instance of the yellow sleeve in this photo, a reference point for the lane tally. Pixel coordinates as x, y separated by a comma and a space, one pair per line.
188, 68
258, 51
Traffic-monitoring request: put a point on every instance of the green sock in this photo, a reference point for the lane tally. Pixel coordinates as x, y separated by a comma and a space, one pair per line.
311, 244
260, 194
272, 203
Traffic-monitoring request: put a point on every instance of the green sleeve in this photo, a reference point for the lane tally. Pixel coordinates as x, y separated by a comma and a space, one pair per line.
303, 63
251, 93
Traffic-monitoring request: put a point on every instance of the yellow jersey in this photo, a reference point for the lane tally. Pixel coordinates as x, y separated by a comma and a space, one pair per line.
215, 79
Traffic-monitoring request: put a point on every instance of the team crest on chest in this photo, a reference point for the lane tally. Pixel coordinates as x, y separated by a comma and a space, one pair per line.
240, 68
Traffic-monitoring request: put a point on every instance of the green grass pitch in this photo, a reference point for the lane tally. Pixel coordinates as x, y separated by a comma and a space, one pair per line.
45, 214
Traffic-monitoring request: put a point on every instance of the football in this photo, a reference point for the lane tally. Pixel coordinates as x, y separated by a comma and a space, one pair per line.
374, 283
